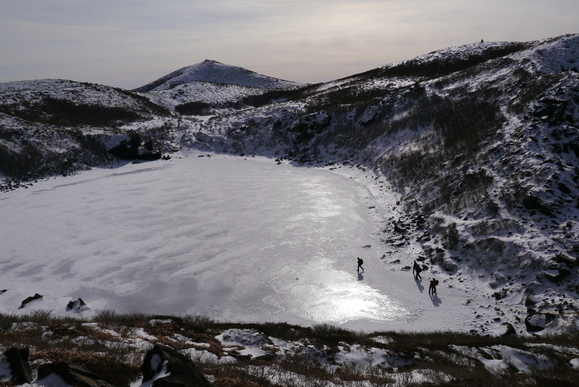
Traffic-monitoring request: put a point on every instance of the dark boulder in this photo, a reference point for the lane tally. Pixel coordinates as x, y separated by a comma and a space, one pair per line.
536, 321
534, 203
499, 295
567, 260
557, 275
176, 369
19, 366
73, 375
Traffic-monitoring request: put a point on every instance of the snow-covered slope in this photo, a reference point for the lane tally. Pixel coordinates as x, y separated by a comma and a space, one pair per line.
212, 94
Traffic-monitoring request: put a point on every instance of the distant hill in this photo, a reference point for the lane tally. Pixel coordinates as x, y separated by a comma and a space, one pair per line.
55, 126
216, 72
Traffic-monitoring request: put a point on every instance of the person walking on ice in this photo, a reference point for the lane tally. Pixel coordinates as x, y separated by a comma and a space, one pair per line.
416, 269
432, 287
360, 263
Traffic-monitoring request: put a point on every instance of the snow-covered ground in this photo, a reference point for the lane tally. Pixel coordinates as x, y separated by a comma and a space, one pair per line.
236, 239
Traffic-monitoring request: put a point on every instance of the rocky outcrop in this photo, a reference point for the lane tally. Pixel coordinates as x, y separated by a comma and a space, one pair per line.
168, 368
27, 300
306, 127
136, 146
19, 366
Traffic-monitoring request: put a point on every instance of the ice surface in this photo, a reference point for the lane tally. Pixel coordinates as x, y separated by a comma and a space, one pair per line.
230, 238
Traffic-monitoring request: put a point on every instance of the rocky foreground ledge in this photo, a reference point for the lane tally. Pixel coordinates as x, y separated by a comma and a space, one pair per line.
131, 350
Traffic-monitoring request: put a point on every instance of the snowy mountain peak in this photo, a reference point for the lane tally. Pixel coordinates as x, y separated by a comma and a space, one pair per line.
216, 72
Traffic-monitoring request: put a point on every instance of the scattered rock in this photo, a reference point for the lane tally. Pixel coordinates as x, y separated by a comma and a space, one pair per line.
19, 366
29, 299
176, 369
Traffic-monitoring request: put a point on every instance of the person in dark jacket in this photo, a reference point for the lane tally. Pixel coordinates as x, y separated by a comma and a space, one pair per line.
360, 263
416, 269
432, 287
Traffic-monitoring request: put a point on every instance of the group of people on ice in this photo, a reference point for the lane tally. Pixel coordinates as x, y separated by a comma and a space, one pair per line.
416, 270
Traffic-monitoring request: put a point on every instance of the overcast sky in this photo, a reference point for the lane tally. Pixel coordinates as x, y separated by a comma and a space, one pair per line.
128, 43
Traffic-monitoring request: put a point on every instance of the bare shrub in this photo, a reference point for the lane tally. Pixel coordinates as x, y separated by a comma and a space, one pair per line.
198, 321
110, 317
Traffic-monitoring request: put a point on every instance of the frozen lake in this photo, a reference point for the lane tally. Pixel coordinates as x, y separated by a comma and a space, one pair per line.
230, 238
